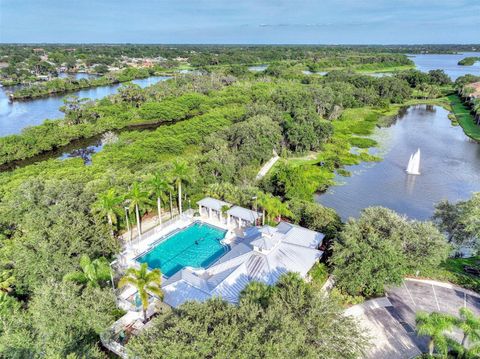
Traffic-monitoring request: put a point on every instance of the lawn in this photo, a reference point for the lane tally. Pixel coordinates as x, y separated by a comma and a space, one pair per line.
452, 270
464, 117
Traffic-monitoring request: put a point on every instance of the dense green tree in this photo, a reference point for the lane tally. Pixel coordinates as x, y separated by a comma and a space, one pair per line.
254, 140
52, 225
93, 272
132, 94
108, 206
291, 320
61, 320
380, 248
459, 220
316, 217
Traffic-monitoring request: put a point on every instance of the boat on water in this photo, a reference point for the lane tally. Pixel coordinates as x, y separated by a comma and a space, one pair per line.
413, 167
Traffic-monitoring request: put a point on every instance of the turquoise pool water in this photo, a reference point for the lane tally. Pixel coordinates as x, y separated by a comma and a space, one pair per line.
197, 245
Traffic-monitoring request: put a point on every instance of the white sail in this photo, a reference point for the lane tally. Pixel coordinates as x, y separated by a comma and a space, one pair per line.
413, 166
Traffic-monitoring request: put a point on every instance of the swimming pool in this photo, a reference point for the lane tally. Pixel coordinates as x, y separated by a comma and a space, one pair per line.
197, 245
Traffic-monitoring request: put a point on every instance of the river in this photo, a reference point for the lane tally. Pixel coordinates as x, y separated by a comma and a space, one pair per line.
448, 63
20, 114
450, 167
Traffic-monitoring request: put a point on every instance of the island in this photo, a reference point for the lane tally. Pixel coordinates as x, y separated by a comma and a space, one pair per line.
469, 61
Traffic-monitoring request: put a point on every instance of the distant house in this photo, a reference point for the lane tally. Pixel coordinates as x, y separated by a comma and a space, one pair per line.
263, 255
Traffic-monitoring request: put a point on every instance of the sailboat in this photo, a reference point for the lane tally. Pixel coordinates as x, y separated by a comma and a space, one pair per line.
413, 167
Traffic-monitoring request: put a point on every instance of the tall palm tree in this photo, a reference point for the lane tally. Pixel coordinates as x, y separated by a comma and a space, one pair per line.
159, 186
262, 200
181, 172
92, 273
145, 282
273, 207
435, 325
108, 205
138, 198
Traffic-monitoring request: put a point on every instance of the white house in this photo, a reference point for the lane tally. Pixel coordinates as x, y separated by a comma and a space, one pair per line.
264, 254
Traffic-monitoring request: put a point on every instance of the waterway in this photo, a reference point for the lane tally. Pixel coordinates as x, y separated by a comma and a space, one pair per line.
15, 116
450, 167
447, 63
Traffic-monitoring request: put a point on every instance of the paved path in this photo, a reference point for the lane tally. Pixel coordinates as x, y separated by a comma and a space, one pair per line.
267, 166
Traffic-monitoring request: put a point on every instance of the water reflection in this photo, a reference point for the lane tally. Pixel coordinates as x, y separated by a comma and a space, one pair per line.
450, 167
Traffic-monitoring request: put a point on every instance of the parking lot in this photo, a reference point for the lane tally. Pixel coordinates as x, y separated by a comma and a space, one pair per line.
414, 296
391, 320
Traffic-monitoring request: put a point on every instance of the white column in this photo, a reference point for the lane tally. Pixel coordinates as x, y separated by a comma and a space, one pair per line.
228, 220
200, 210
209, 213
239, 222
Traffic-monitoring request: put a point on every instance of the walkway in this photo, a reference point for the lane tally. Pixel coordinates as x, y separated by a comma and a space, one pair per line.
267, 166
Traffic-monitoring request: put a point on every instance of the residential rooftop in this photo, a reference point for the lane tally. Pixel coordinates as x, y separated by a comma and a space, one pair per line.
263, 255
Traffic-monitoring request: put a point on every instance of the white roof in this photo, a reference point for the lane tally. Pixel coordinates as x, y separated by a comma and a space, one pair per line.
213, 203
262, 257
244, 213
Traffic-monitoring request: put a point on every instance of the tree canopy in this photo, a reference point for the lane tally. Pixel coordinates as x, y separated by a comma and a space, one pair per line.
381, 247
290, 320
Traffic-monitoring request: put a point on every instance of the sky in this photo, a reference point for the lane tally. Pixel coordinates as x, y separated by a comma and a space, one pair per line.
240, 21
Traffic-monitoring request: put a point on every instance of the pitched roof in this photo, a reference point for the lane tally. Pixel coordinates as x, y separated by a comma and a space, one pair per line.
213, 203
262, 257
244, 213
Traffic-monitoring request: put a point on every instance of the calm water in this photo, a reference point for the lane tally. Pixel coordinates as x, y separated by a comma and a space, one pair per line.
258, 68
196, 246
448, 63
450, 168
20, 114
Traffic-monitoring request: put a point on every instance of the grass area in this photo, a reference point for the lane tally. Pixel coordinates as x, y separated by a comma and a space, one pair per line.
452, 270
350, 130
366, 69
464, 117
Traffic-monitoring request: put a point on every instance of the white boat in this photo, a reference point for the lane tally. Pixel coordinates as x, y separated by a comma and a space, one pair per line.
413, 167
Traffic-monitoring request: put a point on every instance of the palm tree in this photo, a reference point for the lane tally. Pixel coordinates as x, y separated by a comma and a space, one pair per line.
273, 207
159, 186
257, 292
262, 200
92, 273
138, 198
180, 173
145, 282
107, 205
469, 323
435, 325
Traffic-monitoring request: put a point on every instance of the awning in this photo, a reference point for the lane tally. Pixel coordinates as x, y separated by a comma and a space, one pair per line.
244, 214
213, 203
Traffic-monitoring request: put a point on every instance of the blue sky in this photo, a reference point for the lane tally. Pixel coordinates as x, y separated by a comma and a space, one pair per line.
241, 21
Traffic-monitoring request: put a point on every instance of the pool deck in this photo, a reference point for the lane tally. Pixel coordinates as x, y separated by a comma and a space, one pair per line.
139, 246
127, 258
